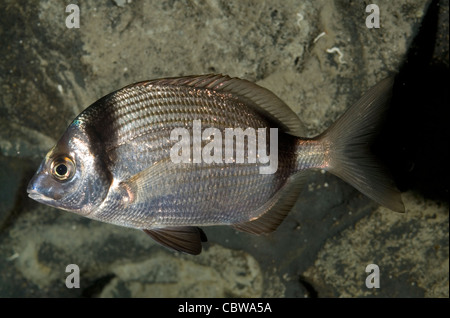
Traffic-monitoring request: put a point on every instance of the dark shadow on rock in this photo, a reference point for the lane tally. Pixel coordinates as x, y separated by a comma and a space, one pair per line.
414, 141
311, 291
95, 287
14, 178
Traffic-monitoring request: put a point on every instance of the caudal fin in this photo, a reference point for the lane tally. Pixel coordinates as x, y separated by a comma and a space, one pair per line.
348, 141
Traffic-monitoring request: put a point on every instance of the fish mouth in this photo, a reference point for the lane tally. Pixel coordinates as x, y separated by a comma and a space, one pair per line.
32, 189
33, 194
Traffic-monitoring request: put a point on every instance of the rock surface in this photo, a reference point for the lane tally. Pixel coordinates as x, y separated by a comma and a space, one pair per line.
318, 56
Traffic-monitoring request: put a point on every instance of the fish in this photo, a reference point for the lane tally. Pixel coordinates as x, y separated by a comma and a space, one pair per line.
151, 156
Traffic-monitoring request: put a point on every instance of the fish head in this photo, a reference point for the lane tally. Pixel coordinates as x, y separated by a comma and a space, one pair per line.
73, 175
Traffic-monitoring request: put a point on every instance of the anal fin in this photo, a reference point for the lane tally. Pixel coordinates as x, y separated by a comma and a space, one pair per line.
279, 207
186, 239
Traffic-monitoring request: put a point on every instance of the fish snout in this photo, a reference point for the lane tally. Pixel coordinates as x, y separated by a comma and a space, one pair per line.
41, 189
33, 189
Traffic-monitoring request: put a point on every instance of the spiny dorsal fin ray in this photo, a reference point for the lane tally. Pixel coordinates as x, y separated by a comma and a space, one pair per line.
281, 204
250, 93
187, 239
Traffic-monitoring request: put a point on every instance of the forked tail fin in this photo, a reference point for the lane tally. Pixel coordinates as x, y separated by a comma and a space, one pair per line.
347, 142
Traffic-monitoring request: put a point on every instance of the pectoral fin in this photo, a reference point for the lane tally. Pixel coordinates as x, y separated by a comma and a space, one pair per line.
186, 239
157, 180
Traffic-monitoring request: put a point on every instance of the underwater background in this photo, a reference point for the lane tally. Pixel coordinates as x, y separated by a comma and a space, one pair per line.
317, 56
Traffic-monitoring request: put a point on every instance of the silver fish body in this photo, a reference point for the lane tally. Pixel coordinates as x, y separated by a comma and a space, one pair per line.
114, 164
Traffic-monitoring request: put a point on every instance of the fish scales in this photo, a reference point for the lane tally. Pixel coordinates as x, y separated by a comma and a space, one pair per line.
154, 117
152, 113
114, 163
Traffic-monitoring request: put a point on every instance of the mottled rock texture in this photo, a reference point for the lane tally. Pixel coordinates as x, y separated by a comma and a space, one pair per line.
318, 56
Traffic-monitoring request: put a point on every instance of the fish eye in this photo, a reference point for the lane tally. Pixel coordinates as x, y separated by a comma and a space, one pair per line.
63, 168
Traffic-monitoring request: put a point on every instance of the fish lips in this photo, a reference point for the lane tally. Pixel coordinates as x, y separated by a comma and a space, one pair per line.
39, 186
39, 197
33, 191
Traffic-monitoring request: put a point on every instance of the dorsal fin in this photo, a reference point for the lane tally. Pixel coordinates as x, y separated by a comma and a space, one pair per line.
260, 98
